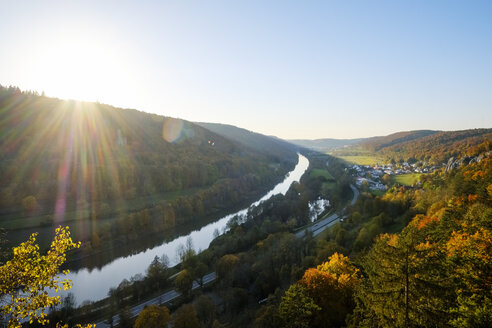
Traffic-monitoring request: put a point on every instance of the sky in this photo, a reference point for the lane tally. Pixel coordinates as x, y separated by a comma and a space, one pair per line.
293, 69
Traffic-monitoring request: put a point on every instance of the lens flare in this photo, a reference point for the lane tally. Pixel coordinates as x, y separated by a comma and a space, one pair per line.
172, 129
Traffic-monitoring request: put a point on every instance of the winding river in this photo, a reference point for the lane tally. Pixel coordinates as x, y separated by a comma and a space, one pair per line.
94, 285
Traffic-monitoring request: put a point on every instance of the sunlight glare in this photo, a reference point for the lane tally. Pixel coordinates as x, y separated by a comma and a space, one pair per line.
81, 68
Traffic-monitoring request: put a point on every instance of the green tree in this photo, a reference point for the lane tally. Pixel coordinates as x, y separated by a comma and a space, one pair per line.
184, 283
406, 282
126, 318
267, 317
153, 317
157, 272
205, 310
297, 308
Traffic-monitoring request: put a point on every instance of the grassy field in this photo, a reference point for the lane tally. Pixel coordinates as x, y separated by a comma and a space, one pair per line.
406, 179
327, 186
321, 173
362, 159
359, 156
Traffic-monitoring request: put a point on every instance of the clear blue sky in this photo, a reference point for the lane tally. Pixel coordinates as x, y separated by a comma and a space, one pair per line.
294, 69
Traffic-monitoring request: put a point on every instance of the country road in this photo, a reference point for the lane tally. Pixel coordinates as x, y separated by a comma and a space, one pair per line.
166, 297
327, 222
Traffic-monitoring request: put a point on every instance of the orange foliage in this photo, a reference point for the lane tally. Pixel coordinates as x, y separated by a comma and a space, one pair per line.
421, 221
477, 245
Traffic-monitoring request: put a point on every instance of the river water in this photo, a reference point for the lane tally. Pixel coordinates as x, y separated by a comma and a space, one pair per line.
94, 284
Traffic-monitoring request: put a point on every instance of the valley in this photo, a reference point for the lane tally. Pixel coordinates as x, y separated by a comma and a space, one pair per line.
157, 230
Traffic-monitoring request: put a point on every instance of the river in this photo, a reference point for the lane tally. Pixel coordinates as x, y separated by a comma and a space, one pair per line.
94, 284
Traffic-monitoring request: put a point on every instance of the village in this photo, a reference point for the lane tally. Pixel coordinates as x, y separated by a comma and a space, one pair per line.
373, 175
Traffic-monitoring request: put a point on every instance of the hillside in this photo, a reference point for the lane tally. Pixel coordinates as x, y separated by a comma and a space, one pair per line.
325, 145
432, 146
118, 173
378, 143
269, 146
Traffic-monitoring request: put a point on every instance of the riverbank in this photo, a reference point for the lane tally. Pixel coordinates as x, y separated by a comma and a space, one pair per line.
94, 284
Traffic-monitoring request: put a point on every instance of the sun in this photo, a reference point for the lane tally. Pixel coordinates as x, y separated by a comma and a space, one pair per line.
82, 68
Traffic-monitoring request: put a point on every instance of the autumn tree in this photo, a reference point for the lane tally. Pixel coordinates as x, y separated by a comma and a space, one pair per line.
331, 287
26, 278
406, 281
153, 316
185, 317
226, 264
469, 252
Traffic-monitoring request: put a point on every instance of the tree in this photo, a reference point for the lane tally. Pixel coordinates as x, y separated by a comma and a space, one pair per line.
267, 317
29, 203
205, 310
184, 283
226, 264
406, 282
297, 308
153, 317
157, 273
386, 179
200, 270
185, 317
24, 279
331, 287
126, 318
68, 304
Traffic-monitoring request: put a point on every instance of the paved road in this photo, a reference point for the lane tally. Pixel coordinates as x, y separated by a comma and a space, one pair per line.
316, 229
356, 194
327, 222
164, 298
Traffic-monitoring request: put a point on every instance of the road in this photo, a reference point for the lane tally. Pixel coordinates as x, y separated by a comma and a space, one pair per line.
164, 298
316, 229
356, 194
327, 222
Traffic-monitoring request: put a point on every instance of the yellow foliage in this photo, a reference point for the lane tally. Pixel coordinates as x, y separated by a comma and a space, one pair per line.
25, 279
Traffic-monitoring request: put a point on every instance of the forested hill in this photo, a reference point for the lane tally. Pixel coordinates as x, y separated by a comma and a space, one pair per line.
64, 161
378, 143
326, 144
433, 146
267, 145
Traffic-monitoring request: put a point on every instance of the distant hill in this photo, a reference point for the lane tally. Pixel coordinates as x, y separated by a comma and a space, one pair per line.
433, 146
377, 143
267, 145
120, 172
327, 144
427, 145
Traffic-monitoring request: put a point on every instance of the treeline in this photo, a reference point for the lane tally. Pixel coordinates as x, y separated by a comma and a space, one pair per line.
431, 146
118, 170
378, 143
434, 273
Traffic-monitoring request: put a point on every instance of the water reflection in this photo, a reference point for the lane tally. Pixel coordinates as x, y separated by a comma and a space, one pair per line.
94, 284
